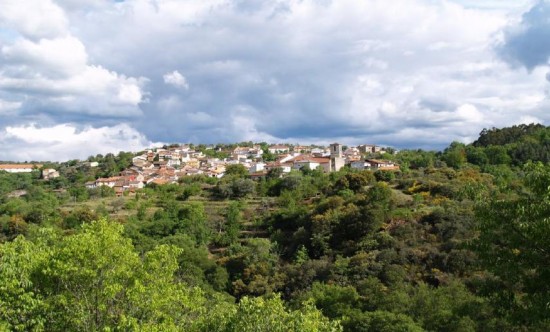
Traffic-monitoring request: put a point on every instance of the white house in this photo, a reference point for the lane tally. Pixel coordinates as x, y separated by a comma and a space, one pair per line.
382, 164
286, 168
360, 164
258, 167
275, 149
19, 168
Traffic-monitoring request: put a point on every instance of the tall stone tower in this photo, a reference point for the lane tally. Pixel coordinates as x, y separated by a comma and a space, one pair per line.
336, 150
337, 160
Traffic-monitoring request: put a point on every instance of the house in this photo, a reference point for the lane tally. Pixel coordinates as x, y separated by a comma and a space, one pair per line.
352, 152
287, 157
285, 167
148, 166
258, 175
350, 159
216, 172
109, 182
276, 149
369, 148
139, 160
258, 167
301, 149
185, 148
173, 162
160, 181
136, 184
386, 165
241, 151
19, 168
360, 164
192, 171
255, 152
49, 173
313, 163
320, 152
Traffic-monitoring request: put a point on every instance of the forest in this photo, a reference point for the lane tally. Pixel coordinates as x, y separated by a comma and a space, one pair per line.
457, 240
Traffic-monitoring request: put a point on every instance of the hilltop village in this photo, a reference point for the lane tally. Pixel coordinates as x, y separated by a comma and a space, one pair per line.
163, 166
171, 163
168, 165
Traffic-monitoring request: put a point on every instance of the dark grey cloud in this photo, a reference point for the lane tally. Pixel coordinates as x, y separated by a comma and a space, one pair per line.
528, 43
405, 72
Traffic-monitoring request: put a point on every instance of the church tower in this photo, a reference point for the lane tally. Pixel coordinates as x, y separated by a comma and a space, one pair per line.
337, 160
336, 150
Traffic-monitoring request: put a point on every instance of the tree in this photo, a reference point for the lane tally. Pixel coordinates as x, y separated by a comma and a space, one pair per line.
514, 245
381, 321
21, 308
270, 314
497, 155
192, 221
237, 170
233, 219
243, 187
455, 155
275, 173
92, 281
353, 181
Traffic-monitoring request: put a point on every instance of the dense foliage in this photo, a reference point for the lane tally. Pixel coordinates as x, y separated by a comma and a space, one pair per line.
457, 240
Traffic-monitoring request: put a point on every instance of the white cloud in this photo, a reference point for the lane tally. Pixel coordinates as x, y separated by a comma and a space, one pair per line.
47, 68
58, 57
7, 107
176, 79
63, 142
34, 18
529, 119
407, 72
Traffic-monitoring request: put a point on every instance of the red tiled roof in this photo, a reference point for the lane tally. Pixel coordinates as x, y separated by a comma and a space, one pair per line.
310, 158
19, 166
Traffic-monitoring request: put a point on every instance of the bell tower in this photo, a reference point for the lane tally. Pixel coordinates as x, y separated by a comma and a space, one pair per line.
336, 150
337, 160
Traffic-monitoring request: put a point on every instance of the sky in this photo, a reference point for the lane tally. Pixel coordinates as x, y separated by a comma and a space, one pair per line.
87, 77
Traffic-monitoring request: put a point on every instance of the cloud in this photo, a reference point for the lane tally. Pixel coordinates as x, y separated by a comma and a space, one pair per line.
57, 57
65, 141
176, 79
526, 43
337, 66
7, 107
34, 19
496, 5
411, 73
46, 69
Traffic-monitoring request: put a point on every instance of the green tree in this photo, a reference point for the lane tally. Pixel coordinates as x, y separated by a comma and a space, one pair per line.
237, 170
192, 220
455, 155
92, 281
233, 220
514, 245
269, 315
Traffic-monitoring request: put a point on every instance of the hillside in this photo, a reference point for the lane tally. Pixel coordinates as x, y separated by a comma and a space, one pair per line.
456, 240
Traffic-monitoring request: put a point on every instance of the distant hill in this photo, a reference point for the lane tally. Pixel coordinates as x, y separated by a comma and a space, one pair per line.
521, 143
509, 135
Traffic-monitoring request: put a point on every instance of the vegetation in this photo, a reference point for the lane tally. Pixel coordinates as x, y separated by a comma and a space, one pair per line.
457, 240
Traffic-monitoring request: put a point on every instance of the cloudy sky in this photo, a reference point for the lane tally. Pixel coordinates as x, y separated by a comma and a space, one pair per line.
81, 77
